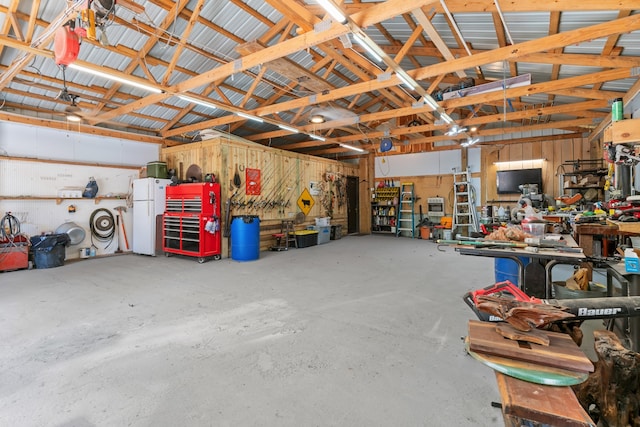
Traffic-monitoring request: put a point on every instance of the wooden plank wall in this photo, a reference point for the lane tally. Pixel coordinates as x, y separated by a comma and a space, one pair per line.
554, 152
428, 186
283, 175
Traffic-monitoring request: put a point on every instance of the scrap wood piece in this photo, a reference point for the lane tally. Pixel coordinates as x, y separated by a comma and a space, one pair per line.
541, 404
528, 371
534, 335
523, 316
614, 386
561, 352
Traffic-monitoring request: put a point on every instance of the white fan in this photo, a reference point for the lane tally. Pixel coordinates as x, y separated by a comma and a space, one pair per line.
329, 113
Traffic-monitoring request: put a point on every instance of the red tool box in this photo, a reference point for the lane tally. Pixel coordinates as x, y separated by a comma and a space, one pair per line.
191, 222
14, 253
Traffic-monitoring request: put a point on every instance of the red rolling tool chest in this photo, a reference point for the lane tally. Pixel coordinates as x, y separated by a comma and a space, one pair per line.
191, 222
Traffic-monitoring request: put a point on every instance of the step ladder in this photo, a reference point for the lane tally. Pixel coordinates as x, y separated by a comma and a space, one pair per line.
465, 217
405, 218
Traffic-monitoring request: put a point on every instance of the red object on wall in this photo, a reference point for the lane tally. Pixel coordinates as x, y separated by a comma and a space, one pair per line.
66, 46
252, 182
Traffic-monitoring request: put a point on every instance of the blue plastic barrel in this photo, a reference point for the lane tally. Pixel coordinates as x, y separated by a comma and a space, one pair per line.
245, 237
507, 269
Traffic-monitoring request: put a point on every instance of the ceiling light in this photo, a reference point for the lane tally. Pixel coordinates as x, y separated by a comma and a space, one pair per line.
115, 78
473, 128
288, 128
318, 137
430, 102
197, 101
250, 117
73, 117
446, 118
517, 162
333, 10
405, 79
364, 42
317, 118
351, 147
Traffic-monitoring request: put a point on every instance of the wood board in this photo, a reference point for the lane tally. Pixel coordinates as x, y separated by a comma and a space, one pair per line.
531, 372
561, 352
554, 406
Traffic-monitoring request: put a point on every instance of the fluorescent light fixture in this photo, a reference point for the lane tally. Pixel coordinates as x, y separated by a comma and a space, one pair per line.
405, 79
430, 102
197, 101
351, 147
446, 118
365, 44
115, 78
517, 162
318, 137
290, 129
250, 117
333, 10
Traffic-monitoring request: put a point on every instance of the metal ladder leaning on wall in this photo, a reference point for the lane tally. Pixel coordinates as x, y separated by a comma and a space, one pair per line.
464, 208
406, 218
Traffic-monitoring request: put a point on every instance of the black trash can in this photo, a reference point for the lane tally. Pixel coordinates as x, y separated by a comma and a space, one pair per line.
49, 251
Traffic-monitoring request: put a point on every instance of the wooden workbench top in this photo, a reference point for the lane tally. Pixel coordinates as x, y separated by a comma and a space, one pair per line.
626, 227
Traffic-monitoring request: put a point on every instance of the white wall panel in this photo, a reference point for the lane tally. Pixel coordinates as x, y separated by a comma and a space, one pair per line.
417, 164
474, 159
32, 141
449, 160
31, 179
38, 179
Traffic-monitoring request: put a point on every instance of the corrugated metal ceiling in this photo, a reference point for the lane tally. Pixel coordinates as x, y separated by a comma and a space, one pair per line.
144, 45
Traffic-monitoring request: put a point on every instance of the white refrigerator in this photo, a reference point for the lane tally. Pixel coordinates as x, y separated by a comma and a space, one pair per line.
148, 206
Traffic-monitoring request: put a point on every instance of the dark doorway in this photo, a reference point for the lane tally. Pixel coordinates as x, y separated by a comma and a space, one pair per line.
353, 196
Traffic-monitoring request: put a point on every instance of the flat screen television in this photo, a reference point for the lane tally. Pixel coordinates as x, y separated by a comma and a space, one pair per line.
508, 181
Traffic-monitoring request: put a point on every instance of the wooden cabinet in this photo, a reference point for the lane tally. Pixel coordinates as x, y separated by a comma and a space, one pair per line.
384, 210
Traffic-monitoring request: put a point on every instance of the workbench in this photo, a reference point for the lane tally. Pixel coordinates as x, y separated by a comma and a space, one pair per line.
550, 258
631, 227
594, 238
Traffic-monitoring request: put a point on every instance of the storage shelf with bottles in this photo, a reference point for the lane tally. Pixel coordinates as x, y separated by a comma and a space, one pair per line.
384, 210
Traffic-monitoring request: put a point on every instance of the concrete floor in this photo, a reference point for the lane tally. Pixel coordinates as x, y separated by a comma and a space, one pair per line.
362, 331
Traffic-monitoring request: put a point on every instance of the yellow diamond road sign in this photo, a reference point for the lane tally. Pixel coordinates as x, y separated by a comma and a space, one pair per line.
305, 202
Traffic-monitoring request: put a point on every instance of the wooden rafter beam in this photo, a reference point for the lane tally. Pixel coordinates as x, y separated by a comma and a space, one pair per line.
375, 14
